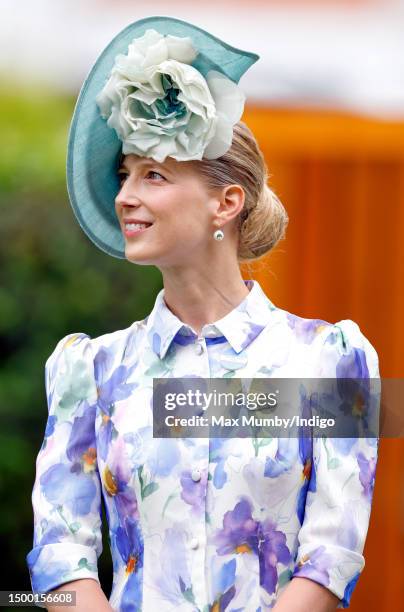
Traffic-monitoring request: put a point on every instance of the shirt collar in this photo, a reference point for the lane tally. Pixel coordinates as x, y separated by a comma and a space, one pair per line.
240, 326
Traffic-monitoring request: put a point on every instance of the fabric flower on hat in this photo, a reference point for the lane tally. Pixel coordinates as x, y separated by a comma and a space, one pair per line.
161, 106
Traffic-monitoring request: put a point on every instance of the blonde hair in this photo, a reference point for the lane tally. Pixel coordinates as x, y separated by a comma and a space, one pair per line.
263, 219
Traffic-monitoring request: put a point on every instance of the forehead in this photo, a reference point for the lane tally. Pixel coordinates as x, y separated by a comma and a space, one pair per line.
135, 162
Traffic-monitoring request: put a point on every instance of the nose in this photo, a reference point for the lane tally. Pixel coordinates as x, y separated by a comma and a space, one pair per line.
126, 197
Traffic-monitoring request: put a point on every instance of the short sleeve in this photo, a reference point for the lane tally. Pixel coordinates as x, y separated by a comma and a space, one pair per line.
66, 496
332, 536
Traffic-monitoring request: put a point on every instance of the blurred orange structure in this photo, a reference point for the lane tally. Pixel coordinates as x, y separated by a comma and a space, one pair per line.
341, 179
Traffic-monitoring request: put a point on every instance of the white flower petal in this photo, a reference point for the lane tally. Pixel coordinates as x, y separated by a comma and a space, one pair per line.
221, 142
118, 122
156, 54
228, 96
146, 96
149, 38
196, 126
181, 49
140, 145
110, 94
130, 65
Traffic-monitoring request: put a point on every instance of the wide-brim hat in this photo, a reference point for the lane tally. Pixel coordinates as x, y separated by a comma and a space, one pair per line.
94, 149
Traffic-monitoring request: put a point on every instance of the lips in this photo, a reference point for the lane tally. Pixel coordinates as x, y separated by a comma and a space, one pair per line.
136, 221
132, 232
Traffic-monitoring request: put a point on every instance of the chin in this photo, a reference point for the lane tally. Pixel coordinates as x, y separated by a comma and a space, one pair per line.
137, 257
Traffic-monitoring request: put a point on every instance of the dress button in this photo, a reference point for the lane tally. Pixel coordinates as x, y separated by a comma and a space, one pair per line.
194, 543
196, 475
199, 349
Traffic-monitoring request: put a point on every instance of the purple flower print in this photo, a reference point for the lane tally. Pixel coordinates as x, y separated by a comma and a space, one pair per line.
193, 493
113, 389
216, 456
220, 449
52, 535
155, 341
163, 456
367, 473
306, 329
223, 585
250, 332
172, 575
309, 482
72, 483
349, 590
306, 456
132, 594
240, 530
81, 449
343, 446
50, 428
62, 487
242, 534
314, 565
273, 550
284, 460
50, 425
116, 478
353, 364
129, 542
354, 392
46, 571
106, 432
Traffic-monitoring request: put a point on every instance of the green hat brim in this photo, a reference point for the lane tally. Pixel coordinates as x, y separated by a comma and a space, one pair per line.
94, 149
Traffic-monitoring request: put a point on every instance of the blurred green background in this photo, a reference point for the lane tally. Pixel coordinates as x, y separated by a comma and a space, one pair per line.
53, 281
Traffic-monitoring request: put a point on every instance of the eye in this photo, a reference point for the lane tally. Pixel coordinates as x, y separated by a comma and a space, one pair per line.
155, 173
122, 175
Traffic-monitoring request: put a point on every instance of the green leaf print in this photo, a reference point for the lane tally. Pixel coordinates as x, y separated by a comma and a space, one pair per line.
169, 498
149, 489
84, 564
333, 463
189, 595
139, 473
75, 385
146, 489
157, 370
284, 578
258, 442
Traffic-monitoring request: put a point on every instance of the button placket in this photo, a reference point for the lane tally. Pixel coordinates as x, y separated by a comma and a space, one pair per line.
197, 529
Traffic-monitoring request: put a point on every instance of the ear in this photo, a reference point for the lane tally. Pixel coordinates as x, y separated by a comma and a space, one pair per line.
231, 202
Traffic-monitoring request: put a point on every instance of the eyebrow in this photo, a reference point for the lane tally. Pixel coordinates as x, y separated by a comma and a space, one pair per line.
144, 163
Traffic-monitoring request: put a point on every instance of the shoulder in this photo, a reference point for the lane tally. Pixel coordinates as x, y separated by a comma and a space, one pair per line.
81, 343
71, 348
343, 351
334, 349
97, 356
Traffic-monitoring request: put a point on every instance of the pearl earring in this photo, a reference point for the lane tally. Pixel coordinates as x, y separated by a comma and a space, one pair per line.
218, 235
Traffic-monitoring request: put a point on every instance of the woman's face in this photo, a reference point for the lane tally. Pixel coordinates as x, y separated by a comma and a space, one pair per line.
173, 198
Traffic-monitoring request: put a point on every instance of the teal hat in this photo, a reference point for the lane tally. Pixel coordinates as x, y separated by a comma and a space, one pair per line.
171, 92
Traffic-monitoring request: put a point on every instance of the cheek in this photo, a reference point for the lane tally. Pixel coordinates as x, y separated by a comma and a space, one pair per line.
188, 221
182, 213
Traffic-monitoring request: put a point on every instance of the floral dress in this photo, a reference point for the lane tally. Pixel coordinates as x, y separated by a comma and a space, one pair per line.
198, 524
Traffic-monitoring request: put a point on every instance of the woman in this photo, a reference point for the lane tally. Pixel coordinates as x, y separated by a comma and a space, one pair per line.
195, 523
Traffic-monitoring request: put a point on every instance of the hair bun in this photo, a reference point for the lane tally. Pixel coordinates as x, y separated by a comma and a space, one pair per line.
264, 226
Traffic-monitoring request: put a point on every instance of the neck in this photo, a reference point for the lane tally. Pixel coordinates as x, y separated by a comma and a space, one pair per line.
198, 298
